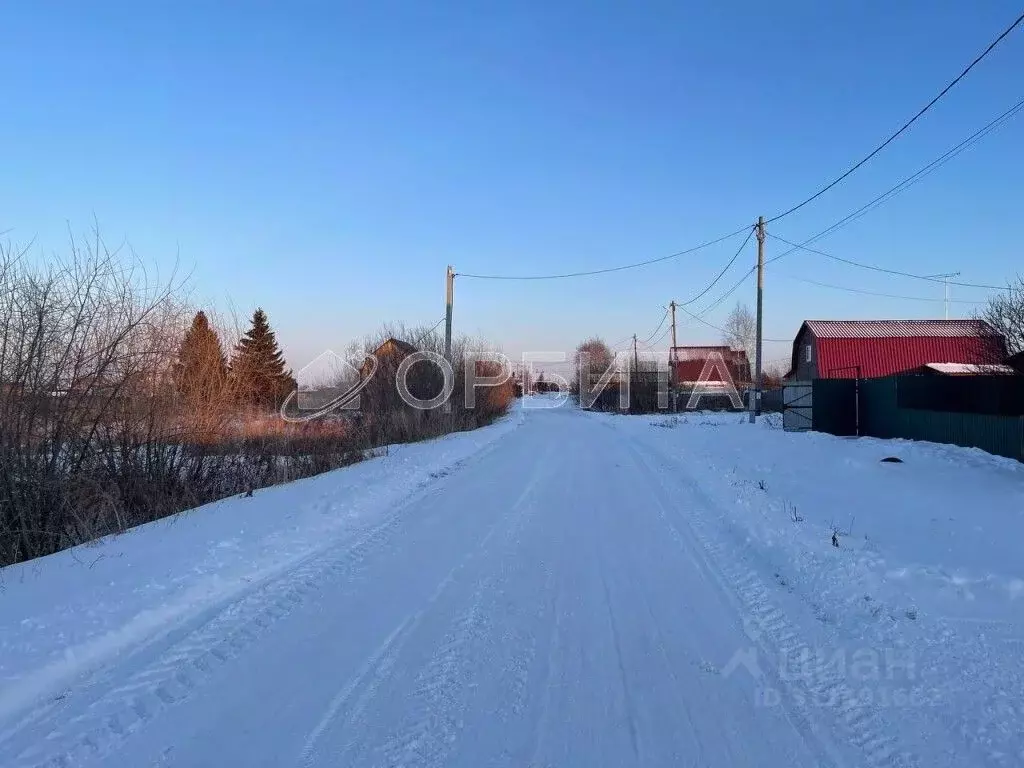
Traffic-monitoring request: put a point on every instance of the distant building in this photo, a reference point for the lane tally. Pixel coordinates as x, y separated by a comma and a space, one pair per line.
847, 349
689, 363
382, 394
390, 353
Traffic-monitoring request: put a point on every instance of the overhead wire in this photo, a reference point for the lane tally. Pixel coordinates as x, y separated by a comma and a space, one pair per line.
912, 179
874, 293
722, 330
421, 338
717, 302
663, 318
657, 341
905, 126
606, 270
725, 269
888, 271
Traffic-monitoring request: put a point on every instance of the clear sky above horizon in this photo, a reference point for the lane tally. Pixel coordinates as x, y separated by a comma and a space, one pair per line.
326, 160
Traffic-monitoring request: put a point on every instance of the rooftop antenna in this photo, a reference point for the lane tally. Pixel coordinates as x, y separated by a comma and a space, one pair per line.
945, 292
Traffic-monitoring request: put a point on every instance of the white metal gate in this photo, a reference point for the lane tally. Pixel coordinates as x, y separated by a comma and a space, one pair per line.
797, 410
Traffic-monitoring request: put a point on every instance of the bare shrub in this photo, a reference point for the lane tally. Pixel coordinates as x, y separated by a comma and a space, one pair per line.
111, 415
389, 419
97, 434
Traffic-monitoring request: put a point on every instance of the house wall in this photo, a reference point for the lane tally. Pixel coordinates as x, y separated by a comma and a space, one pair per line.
804, 370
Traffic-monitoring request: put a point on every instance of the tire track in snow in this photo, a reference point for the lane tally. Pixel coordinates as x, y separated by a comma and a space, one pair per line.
779, 639
374, 670
98, 662
543, 726
189, 662
435, 721
431, 731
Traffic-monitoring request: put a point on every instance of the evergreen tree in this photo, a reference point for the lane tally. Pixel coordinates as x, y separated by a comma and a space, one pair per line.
201, 369
257, 366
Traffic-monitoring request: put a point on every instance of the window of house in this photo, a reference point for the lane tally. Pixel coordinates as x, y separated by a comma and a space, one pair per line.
807, 352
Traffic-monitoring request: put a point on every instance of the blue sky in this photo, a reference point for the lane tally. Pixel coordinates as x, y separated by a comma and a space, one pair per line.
327, 160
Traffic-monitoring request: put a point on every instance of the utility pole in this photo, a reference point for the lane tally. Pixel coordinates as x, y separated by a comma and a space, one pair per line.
449, 283
636, 359
755, 400
672, 356
449, 295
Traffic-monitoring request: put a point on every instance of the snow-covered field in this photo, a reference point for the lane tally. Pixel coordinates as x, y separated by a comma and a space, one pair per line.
560, 589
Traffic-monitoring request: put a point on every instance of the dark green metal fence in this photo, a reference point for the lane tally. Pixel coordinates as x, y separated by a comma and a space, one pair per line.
880, 414
994, 395
834, 406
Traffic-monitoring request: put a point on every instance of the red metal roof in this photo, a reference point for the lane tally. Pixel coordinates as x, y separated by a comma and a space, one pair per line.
838, 358
690, 363
890, 329
885, 347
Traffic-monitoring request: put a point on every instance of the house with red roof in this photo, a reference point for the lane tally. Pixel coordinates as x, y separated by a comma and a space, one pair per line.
847, 349
689, 362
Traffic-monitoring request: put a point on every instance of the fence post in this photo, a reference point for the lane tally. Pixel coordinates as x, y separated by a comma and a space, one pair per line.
856, 402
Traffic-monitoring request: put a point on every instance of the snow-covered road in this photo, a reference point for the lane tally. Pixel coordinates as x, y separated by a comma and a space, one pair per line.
568, 593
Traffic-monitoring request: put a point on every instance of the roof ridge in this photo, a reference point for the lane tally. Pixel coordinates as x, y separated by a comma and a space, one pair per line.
909, 320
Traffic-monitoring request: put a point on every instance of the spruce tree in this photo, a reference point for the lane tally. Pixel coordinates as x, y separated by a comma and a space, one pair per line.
201, 369
257, 366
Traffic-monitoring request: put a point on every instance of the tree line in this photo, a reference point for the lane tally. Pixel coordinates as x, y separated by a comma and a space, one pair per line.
121, 404
255, 376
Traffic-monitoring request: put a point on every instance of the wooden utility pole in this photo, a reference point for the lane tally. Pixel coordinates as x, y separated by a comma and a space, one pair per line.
636, 360
672, 356
755, 400
449, 297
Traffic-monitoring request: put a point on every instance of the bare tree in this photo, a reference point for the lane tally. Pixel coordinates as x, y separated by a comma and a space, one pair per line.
593, 356
774, 372
740, 330
107, 420
1005, 313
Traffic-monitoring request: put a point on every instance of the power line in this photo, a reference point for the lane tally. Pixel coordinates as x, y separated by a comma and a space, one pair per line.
873, 293
710, 307
906, 125
700, 319
663, 317
913, 178
725, 269
651, 345
421, 338
897, 272
606, 270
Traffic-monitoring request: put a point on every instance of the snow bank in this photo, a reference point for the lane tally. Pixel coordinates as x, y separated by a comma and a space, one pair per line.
68, 613
928, 558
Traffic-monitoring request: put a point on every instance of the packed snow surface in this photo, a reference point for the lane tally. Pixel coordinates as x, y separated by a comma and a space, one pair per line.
561, 589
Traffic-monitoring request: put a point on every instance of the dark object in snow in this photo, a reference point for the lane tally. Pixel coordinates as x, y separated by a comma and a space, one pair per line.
892, 460
835, 539
247, 494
